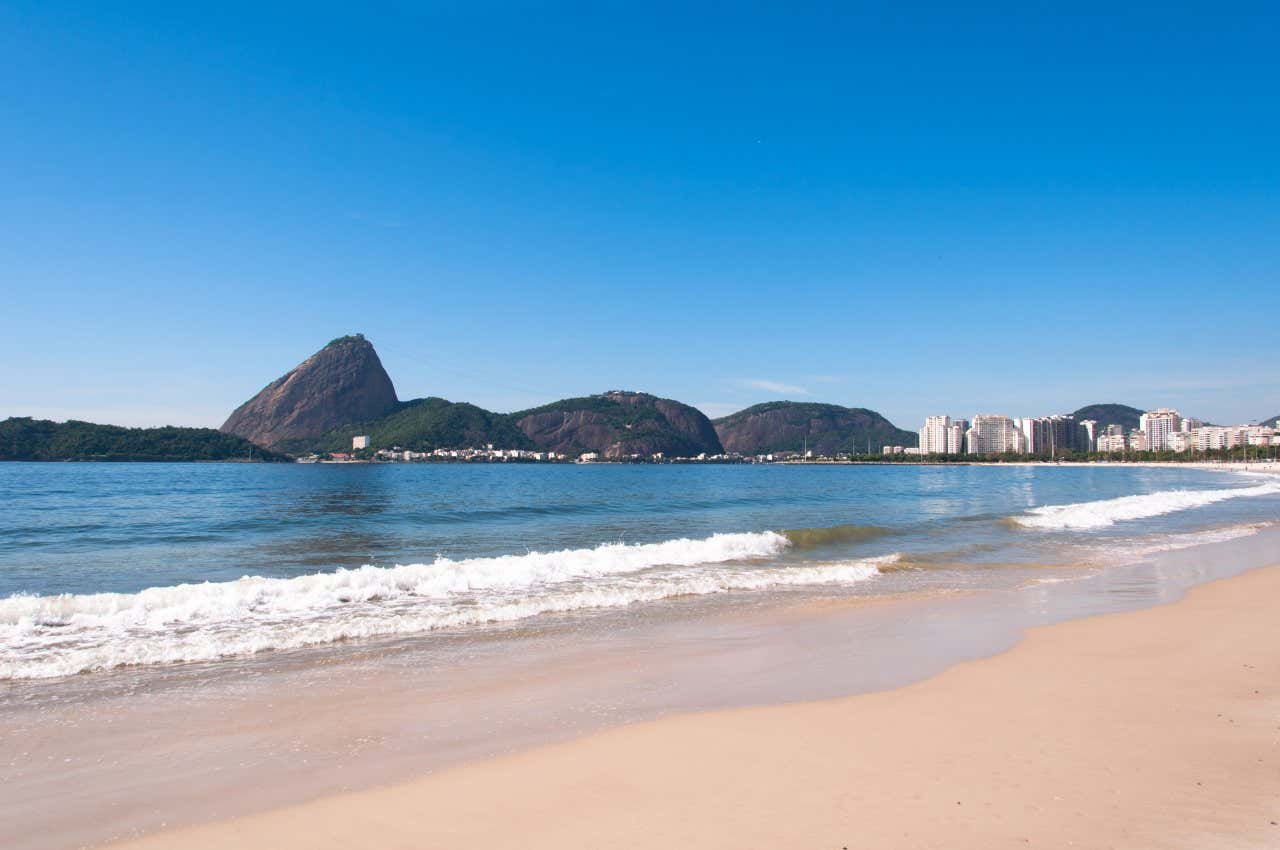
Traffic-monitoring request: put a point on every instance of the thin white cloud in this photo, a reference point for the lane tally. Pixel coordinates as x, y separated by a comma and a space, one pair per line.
776, 387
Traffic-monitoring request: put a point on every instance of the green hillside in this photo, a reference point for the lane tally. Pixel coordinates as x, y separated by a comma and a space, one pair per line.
827, 429
24, 438
425, 424
1110, 414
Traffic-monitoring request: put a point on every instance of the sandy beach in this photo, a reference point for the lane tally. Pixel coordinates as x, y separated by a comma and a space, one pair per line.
1155, 728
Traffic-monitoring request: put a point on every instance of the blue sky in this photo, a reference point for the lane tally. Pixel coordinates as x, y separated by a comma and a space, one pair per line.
909, 208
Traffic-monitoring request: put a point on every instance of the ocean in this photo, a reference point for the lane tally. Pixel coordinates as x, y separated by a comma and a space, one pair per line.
181, 642
126, 567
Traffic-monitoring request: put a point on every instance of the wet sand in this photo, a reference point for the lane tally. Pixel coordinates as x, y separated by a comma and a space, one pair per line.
1152, 728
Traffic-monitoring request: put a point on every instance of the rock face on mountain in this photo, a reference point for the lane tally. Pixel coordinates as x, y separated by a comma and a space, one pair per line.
342, 383
785, 426
1110, 414
620, 424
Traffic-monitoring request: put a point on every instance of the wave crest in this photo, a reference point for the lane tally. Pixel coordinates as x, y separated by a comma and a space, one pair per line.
1105, 512
52, 636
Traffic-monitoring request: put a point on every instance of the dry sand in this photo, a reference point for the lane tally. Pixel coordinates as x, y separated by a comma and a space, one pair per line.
1159, 728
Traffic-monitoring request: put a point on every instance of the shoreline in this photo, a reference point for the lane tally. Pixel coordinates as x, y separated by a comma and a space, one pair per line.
1153, 728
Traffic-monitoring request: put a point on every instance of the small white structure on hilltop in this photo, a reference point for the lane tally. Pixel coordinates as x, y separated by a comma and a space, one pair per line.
360, 442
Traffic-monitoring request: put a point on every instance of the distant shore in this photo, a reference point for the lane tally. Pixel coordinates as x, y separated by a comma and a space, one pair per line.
1153, 728
1225, 465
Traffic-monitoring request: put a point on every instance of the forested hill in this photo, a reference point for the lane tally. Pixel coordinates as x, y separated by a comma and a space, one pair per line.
24, 438
1110, 414
791, 426
422, 425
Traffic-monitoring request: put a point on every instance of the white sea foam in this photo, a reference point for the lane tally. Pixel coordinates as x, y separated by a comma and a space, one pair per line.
46, 636
1124, 552
1105, 512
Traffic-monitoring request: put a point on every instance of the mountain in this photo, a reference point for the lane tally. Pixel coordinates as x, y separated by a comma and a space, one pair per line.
781, 426
425, 424
1110, 414
342, 383
618, 424
23, 438
1273, 422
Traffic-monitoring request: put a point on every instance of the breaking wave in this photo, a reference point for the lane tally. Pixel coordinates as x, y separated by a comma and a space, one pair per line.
48, 636
1105, 512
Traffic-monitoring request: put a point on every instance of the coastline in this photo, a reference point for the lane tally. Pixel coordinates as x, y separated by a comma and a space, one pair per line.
1148, 728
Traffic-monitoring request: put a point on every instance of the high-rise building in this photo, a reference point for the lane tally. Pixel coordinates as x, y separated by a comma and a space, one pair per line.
992, 434
1088, 434
1157, 425
933, 436
1035, 434
942, 435
955, 436
1062, 434
1047, 435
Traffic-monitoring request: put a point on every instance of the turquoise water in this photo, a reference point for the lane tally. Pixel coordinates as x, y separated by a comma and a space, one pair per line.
109, 565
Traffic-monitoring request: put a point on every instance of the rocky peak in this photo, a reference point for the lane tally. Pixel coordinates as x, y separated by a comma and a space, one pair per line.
341, 384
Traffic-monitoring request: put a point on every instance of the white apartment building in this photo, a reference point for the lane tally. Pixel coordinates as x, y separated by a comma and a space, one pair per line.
993, 434
1090, 428
360, 442
942, 435
1212, 437
1158, 425
955, 436
1111, 443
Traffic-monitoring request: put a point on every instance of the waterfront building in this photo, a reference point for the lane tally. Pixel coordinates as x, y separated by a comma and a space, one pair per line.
1112, 442
360, 442
1157, 425
1088, 434
942, 435
1035, 434
955, 436
993, 434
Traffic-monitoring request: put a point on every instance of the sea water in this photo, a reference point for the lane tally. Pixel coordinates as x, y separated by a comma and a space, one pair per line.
187, 642
107, 567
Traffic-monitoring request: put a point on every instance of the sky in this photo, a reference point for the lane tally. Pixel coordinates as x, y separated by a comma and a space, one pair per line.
913, 208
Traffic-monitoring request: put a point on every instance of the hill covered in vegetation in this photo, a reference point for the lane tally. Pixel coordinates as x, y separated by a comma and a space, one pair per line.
1110, 414
618, 424
825, 429
423, 425
24, 438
